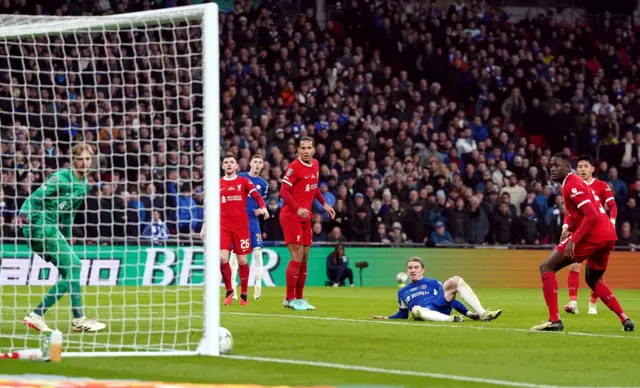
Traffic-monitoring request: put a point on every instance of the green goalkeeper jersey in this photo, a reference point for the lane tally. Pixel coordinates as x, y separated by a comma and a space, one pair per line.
56, 201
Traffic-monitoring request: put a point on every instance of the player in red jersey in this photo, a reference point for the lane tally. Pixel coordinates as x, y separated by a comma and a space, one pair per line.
299, 188
603, 194
593, 240
234, 225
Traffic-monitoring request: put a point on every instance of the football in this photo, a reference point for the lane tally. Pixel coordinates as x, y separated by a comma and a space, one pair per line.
226, 341
402, 278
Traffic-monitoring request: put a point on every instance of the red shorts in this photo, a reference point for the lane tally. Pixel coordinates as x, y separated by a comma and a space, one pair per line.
596, 254
296, 232
236, 239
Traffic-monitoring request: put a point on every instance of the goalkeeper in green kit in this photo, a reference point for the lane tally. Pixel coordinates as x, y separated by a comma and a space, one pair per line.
46, 218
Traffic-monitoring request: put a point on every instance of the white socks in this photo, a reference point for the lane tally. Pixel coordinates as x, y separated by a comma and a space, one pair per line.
233, 262
467, 294
425, 314
256, 257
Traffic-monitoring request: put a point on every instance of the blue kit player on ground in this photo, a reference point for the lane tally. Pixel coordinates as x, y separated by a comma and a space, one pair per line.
431, 300
255, 167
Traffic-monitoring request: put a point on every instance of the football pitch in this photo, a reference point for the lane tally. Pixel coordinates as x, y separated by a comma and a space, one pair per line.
339, 345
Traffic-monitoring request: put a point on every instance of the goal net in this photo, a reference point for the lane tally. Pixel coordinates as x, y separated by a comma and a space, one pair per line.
135, 87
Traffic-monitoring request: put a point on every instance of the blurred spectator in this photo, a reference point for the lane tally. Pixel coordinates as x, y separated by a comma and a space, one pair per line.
440, 235
318, 234
338, 267
156, 231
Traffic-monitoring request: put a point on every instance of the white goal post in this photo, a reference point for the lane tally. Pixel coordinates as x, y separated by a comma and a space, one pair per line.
147, 82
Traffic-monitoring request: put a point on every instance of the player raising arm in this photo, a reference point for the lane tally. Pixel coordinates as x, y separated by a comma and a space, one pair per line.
234, 227
430, 300
253, 211
604, 196
593, 241
46, 219
299, 188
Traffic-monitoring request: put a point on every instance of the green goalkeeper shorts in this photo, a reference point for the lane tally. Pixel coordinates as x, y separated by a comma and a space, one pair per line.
48, 242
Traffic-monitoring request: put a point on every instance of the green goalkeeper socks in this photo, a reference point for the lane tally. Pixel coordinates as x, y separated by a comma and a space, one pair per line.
55, 293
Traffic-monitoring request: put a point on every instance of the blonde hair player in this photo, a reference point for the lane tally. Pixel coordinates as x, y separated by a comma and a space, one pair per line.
46, 219
431, 300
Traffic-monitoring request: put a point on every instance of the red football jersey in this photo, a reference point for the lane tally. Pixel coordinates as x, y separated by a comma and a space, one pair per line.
303, 179
577, 193
233, 202
601, 191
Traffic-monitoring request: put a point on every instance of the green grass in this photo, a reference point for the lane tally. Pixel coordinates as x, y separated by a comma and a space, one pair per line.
606, 356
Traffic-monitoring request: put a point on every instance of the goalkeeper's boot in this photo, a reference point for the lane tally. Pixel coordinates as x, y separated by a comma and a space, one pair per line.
306, 304
571, 307
490, 315
36, 322
87, 324
257, 291
549, 326
628, 325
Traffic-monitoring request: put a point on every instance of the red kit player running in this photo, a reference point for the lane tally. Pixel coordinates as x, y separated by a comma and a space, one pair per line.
603, 194
234, 225
299, 188
593, 241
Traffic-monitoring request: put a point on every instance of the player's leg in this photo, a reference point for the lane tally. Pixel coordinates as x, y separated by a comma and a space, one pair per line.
242, 247
457, 285
34, 234
432, 315
593, 302
596, 266
302, 276
243, 269
573, 284
554, 262
233, 263
226, 244
292, 232
256, 257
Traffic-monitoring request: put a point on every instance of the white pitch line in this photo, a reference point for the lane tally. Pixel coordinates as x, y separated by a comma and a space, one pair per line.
452, 326
359, 368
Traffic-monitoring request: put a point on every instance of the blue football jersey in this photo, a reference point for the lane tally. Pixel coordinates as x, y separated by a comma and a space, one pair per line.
422, 293
261, 185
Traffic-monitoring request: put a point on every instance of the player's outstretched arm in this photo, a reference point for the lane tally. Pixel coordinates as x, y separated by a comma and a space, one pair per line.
401, 314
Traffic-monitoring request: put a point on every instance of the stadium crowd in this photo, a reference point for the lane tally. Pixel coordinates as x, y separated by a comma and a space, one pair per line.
433, 125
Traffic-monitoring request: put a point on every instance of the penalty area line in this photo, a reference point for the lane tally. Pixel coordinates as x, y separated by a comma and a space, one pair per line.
359, 368
443, 326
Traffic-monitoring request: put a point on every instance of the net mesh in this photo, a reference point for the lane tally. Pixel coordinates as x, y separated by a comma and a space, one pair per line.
131, 88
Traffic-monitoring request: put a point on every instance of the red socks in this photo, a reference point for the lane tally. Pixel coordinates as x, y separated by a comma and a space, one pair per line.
302, 278
606, 296
225, 269
594, 296
574, 284
243, 270
293, 271
550, 292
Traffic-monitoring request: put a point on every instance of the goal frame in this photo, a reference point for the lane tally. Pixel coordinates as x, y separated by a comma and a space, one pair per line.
208, 13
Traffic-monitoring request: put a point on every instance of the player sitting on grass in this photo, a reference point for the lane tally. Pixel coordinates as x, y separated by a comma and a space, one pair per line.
431, 300
46, 218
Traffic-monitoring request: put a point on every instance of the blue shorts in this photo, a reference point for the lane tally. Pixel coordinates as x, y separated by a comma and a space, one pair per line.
255, 233
440, 304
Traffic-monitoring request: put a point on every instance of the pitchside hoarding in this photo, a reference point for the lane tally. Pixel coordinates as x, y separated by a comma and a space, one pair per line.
132, 265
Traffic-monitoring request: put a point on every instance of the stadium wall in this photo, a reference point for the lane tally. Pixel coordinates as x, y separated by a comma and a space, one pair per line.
134, 265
